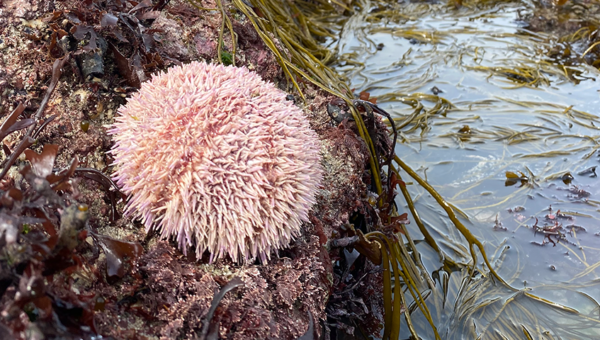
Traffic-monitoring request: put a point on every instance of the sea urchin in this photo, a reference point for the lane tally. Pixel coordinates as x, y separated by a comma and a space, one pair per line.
217, 158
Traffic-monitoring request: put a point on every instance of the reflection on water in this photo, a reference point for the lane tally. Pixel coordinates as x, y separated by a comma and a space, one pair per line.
513, 110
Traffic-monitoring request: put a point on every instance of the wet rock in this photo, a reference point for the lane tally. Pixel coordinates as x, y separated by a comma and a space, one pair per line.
205, 47
169, 34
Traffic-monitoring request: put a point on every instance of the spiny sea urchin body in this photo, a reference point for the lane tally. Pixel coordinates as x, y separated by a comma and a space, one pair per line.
217, 158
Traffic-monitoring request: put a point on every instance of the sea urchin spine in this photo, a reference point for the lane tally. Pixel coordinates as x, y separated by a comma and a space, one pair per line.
217, 158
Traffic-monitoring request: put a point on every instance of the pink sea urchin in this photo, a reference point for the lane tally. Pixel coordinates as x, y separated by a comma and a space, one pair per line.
217, 158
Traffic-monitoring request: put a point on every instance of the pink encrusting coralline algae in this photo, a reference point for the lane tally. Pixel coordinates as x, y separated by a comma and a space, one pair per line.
217, 158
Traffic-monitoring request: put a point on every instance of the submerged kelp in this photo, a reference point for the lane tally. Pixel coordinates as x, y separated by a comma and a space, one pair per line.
502, 129
575, 23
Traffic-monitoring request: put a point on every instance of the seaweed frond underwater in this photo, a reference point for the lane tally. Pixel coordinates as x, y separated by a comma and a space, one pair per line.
550, 135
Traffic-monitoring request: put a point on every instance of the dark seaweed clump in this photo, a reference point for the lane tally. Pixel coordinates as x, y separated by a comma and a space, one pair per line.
102, 26
46, 245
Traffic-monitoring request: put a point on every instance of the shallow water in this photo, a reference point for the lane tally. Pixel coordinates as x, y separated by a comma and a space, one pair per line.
543, 130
